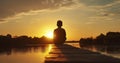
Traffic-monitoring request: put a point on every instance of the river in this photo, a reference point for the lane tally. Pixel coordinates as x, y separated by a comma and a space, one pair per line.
36, 54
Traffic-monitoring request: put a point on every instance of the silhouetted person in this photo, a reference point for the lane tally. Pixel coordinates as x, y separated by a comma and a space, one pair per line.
59, 34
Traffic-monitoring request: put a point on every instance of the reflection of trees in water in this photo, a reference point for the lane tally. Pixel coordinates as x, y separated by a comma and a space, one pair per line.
6, 51
106, 43
103, 48
22, 50
44, 48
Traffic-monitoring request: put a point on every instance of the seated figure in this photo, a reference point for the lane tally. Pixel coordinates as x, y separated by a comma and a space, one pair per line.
59, 34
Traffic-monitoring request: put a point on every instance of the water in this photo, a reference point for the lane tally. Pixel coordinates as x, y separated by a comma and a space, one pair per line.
24, 54
37, 53
113, 50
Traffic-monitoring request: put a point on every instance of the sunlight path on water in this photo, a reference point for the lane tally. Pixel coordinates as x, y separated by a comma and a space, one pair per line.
26, 54
74, 44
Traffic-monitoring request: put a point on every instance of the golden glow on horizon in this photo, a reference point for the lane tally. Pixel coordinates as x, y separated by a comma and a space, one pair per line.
49, 34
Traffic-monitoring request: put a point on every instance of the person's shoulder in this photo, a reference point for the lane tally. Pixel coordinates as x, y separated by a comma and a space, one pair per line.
55, 29
59, 29
63, 29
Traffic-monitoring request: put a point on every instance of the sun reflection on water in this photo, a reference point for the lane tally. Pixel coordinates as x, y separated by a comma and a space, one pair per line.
48, 49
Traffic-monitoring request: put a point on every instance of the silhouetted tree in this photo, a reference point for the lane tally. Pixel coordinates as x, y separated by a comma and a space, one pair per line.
8, 41
86, 41
100, 39
111, 38
9, 35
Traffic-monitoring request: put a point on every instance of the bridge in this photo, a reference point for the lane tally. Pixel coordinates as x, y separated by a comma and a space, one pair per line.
69, 54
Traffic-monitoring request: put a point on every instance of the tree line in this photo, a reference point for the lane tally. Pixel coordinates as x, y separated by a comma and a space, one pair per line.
111, 38
23, 40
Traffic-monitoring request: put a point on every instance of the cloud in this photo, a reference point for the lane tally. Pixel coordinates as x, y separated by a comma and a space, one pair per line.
2, 21
113, 8
96, 2
108, 6
99, 19
10, 8
102, 8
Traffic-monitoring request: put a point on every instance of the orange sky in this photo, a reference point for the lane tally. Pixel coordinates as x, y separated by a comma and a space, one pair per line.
81, 18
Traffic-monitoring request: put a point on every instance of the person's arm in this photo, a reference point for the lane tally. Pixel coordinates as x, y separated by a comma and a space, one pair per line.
65, 34
54, 34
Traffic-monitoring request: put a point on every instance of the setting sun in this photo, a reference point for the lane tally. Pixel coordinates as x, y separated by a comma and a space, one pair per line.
49, 34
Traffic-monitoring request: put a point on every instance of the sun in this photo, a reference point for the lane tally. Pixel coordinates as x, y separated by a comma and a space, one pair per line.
49, 34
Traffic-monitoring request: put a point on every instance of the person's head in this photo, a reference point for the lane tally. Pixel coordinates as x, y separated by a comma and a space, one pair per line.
59, 23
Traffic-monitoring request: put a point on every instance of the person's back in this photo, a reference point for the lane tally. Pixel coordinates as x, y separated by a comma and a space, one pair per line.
59, 34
